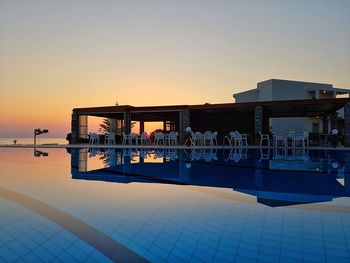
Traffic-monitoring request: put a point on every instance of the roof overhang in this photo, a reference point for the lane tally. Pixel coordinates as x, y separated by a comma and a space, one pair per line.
286, 108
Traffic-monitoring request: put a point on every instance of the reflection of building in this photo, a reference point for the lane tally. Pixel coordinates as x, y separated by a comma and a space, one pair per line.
251, 176
277, 90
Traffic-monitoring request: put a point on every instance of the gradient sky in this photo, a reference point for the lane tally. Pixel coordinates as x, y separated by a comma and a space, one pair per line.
58, 55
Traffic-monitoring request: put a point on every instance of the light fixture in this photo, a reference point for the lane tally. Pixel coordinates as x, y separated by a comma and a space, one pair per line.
38, 132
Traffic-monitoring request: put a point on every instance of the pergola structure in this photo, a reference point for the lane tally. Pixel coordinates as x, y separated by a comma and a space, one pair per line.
249, 117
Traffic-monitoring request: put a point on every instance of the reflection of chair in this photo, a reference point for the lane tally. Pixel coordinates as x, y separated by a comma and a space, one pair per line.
209, 155
159, 153
264, 137
93, 152
235, 155
196, 154
110, 138
264, 155
172, 154
94, 138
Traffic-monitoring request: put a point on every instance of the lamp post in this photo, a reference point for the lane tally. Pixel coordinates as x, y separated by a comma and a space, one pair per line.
38, 132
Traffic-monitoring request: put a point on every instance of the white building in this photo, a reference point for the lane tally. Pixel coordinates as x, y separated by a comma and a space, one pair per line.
277, 90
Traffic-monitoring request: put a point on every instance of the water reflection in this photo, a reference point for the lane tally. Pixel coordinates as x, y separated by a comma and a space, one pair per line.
39, 153
278, 178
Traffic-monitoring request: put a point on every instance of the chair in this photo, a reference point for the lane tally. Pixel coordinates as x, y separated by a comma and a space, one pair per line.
94, 138
144, 140
125, 138
279, 137
172, 138
159, 138
290, 136
215, 138
242, 138
264, 137
110, 138
133, 137
197, 138
235, 139
301, 136
208, 138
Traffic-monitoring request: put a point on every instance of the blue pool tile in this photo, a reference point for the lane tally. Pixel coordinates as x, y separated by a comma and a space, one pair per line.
17, 248
160, 251
174, 258
268, 258
43, 254
100, 258
32, 258
8, 254
189, 248
181, 254
337, 252
28, 242
244, 259
292, 254
338, 259
77, 253
154, 258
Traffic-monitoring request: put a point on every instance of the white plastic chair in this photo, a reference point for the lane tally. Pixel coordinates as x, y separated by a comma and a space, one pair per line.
279, 137
242, 138
301, 136
197, 138
144, 140
110, 138
159, 138
215, 138
208, 138
264, 137
133, 137
125, 138
172, 138
235, 139
94, 138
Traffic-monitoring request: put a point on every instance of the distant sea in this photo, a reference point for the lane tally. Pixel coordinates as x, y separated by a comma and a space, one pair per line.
31, 141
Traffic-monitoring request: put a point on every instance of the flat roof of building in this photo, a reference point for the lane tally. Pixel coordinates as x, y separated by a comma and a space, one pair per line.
286, 108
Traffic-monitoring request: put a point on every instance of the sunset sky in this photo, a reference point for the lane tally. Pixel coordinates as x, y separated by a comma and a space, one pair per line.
59, 55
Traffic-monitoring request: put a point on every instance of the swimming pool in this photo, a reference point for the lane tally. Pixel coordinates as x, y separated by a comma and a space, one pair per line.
243, 205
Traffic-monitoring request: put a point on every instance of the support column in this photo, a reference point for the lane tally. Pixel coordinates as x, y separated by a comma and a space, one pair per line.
347, 124
334, 121
113, 125
184, 122
127, 122
258, 121
142, 127
325, 124
75, 128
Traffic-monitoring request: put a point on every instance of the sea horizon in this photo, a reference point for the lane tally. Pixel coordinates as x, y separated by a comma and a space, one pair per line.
30, 140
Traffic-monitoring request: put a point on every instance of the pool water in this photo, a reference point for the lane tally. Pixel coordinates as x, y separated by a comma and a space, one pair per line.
243, 205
